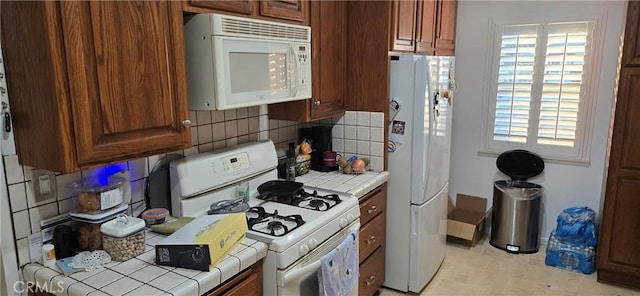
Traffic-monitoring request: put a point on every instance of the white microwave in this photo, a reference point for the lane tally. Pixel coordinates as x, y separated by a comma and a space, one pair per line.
235, 62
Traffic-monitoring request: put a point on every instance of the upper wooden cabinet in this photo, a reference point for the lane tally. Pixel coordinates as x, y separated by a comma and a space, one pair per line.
446, 27
631, 55
292, 11
423, 26
328, 56
95, 81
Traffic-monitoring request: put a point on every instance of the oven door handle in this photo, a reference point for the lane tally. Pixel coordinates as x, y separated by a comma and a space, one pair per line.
288, 277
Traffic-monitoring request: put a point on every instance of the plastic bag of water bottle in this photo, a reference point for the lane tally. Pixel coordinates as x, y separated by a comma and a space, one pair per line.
577, 226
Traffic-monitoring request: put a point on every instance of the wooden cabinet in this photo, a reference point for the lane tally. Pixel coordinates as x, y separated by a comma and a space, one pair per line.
618, 257
246, 283
446, 27
631, 55
423, 26
329, 59
372, 240
95, 81
293, 11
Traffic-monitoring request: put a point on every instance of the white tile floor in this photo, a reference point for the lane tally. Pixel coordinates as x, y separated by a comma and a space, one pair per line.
485, 270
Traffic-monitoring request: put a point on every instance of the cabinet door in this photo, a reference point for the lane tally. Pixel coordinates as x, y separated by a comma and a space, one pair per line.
426, 27
631, 56
446, 27
618, 256
239, 6
328, 56
127, 77
294, 10
403, 25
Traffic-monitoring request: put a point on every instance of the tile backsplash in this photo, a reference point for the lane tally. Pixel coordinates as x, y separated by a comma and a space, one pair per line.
355, 133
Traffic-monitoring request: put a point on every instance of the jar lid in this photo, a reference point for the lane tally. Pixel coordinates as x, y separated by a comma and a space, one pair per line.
99, 217
122, 226
95, 185
155, 213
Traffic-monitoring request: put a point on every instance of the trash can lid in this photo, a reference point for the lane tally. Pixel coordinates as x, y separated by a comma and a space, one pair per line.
520, 164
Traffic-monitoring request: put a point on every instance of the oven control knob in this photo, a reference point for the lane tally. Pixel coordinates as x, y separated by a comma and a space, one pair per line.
343, 222
303, 249
313, 243
350, 217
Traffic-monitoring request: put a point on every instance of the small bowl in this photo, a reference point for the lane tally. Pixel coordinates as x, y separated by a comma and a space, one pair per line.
154, 216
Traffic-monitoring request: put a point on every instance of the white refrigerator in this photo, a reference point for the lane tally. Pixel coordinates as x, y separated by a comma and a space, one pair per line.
419, 148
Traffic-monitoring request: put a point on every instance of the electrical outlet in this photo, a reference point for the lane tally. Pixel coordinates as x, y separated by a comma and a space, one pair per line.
43, 184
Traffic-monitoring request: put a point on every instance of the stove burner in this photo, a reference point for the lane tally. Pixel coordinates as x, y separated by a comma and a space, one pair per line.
303, 199
259, 220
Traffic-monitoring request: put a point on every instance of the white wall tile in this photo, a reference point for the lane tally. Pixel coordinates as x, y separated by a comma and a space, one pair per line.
350, 132
254, 137
264, 123
363, 118
137, 190
21, 225
377, 119
337, 131
376, 149
254, 125
23, 251
193, 116
219, 144
138, 169
13, 169
203, 117
273, 124
219, 131
27, 172
242, 113
253, 111
243, 126
363, 148
42, 212
93, 173
350, 118
217, 116
205, 147
63, 184
205, 135
264, 135
243, 139
194, 135
292, 133
271, 134
153, 160
231, 129
350, 146
362, 133
337, 119
376, 164
230, 114
18, 197
66, 205
377, 134
232, 142
338, 145
191, 151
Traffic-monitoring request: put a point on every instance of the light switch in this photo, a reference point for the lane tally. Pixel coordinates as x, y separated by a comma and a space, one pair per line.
43, 184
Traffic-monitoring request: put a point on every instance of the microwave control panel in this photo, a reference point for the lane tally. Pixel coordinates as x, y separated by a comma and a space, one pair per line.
304, 58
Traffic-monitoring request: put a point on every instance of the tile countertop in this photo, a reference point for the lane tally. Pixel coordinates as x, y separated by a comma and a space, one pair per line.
141, 276
357, 185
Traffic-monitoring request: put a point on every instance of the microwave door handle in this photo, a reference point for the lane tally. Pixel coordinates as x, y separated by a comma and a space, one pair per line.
290, 276
295, 76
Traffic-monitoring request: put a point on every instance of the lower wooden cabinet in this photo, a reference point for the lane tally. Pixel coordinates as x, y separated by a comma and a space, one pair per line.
372, 240
246, 283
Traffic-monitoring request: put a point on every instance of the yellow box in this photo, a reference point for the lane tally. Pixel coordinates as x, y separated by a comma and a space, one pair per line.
202, 243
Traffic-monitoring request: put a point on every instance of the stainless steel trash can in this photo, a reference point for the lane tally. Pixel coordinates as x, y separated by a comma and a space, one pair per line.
515, 223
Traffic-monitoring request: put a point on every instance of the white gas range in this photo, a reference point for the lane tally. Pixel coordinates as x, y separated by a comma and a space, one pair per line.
299, 228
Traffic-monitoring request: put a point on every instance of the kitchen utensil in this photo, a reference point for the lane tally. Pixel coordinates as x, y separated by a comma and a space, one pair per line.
228, 206
158, 193
279, 188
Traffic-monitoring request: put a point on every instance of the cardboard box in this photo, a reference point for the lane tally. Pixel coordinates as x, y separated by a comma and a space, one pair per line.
202, 243
467, 221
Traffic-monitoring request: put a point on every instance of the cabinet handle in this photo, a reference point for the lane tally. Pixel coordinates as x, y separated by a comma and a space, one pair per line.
372, 209
369, 283
186, 122
371, 240
317, 103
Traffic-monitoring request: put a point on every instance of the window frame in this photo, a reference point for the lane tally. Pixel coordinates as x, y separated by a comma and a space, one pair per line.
579, 154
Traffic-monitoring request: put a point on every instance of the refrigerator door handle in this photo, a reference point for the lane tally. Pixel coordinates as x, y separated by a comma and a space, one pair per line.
414, 222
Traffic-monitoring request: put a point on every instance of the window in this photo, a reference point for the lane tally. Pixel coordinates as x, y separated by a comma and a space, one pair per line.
541, 99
